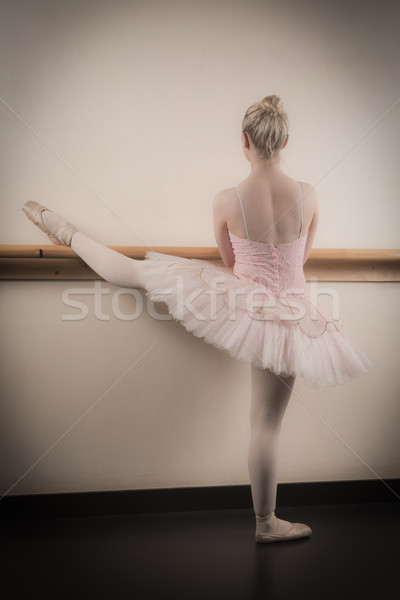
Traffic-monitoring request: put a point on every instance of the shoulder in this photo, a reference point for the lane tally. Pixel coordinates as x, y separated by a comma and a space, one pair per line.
223, 198
309, 193
307, 189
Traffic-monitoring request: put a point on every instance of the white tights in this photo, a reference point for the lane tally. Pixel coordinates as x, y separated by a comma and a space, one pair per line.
270, 393
112, 266
270, 396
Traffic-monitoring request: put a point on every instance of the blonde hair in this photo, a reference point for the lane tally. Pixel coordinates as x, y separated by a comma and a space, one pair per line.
267, 125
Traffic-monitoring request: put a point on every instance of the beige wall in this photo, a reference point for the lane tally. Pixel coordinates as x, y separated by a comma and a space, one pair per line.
125, 118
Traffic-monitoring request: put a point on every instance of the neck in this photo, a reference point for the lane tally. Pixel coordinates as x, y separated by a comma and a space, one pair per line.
265, 165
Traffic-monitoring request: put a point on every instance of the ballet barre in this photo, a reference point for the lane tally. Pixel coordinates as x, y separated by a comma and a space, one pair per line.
49, 262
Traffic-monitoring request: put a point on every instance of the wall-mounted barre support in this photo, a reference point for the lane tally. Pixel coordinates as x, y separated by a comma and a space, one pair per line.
48, 262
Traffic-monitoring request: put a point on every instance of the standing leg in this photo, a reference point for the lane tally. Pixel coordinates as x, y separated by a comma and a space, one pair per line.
270, 396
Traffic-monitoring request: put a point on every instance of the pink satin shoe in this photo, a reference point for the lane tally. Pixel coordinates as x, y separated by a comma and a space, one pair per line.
33, 211
297, 531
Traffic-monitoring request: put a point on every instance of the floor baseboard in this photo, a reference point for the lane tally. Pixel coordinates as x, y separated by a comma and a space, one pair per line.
126, 502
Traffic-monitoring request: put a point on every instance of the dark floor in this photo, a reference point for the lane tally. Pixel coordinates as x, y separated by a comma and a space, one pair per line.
353, 553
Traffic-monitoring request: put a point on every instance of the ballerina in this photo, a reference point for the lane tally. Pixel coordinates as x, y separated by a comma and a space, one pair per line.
255, 307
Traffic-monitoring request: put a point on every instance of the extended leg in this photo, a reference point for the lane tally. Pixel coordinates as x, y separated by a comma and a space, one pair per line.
110, 265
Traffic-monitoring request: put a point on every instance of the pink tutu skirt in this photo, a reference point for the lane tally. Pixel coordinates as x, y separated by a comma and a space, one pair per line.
288, 335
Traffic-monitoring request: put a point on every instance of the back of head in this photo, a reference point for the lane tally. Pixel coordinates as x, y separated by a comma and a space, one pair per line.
267, 125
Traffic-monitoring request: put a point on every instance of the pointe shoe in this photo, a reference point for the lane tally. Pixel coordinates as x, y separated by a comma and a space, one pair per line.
33, 211
297, 531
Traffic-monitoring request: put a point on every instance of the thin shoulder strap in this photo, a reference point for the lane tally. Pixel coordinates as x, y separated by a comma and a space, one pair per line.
301, 210
244, 217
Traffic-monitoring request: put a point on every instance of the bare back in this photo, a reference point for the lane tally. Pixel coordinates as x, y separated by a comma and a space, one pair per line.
273, 209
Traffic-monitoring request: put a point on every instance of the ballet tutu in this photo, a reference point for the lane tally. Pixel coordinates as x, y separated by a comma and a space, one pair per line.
288, 335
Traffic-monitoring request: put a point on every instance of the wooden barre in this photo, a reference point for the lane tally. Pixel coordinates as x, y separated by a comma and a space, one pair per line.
47, 262
51, 251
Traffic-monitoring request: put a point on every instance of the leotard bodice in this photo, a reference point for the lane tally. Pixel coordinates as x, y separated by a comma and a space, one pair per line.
277, 267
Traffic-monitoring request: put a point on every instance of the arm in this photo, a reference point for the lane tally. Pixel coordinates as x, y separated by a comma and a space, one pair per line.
221, 230
311, 201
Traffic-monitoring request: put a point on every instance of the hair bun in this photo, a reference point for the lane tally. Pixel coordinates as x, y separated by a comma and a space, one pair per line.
266, 123
272, 105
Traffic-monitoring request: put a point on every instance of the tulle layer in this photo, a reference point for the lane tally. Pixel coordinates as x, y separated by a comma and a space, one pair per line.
288, 335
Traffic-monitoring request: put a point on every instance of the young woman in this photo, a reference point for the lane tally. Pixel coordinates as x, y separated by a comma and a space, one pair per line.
255, 307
